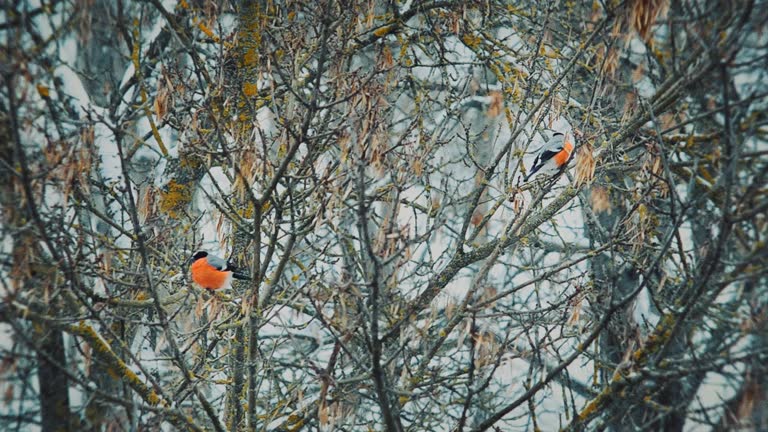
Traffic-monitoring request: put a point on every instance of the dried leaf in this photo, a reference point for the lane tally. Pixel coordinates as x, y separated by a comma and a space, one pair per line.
200, 306
220, 225
322, 414
418, 167
489, 292
87, 135
611, 62
386, 54
601, 201
44, 91
162, 102
643, 15
585, 164
455, 23
575, 312
8, 394
146, 203
638, 73
497, 104
748, 399
486, 348
450, 308
215, 308
7, 365
477, 217
630, 104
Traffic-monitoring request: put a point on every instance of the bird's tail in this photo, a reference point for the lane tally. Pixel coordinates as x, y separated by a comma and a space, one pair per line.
530, 174
241, 276
534, 170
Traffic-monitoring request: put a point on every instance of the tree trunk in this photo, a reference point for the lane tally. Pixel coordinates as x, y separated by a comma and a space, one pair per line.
54, 391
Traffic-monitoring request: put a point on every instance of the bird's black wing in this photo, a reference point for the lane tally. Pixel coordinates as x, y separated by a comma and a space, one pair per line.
547, 155
225, 265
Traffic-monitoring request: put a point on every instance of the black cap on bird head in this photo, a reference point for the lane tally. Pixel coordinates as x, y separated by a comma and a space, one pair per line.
198, 255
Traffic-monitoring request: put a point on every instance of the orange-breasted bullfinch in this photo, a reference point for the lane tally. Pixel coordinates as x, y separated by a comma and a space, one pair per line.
553, 156
212, 272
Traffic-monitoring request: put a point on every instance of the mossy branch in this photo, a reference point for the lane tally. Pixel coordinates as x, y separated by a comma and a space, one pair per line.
653, 345
115, 366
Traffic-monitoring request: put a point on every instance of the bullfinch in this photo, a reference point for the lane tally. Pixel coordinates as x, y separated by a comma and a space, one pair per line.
213, 273
553, 156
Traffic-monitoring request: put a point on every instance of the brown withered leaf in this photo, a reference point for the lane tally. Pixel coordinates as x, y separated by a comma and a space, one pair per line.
555, 110
249, 165
638, 73
450, 308
611, 62
455, 23
489, 292
497, 104
630, 104
377, 155
216, 307
418, 167
517, 204
585, 164
162, 101
7, 365
601, 201
575, 312
643, 15
477, 217
435, 204
87, 135
386, 55
200, 306
486, 348
322, 414
667, 120
146, 203
8, 394
221, 225
616, 30
751, 396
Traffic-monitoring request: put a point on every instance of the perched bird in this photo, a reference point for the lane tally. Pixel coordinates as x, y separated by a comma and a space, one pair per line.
553, 156
212, 272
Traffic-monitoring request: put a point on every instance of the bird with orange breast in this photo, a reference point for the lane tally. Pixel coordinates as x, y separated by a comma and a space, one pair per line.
552, 156
213, 273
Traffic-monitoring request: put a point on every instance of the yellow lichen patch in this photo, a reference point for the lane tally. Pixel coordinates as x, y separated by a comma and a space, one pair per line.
113, 373
250, 57
115, 366
43, 91
471, 41
297, 426
190, 161
655, 341
383, 31
131, 377
175, 197
590, 409
250, 89
208, 32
